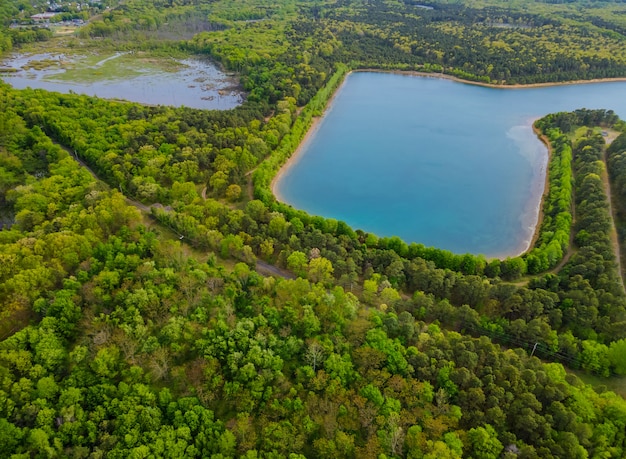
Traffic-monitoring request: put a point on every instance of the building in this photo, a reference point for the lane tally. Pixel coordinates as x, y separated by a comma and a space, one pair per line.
42, 17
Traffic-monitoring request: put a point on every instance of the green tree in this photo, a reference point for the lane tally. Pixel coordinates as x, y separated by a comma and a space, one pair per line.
297, 262
320, 270
484, 443
617, 356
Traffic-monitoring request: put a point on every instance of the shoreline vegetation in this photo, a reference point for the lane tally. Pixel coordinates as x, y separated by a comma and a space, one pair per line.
297, 154
315, 122
294, 158
546, 187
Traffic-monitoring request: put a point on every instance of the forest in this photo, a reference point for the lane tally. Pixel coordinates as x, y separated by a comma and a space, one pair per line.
156, 300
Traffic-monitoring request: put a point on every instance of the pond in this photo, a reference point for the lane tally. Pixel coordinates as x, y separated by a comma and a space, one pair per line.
192, 82
434, 161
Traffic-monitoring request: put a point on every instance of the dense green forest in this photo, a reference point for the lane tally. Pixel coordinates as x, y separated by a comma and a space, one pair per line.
134, 316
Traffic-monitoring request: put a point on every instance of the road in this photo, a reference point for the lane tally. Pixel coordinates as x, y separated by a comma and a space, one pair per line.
266, 269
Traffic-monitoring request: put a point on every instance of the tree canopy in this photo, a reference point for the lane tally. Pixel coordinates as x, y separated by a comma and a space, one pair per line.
157, 301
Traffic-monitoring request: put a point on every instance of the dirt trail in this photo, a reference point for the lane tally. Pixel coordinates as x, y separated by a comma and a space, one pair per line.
607, 189
263, 268
250, 184
132, 202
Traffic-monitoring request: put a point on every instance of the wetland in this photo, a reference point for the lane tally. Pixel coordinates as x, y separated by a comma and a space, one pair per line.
133, 76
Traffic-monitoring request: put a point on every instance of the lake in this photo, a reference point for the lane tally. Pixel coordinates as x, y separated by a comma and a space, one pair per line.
192, 82
434, 161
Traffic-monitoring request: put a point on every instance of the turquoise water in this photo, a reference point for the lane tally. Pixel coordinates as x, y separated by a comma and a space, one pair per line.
446, 164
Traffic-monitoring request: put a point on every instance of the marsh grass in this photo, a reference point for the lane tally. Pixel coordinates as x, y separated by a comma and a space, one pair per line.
125, 74
95, 67
89, 61
92, 68
43, 64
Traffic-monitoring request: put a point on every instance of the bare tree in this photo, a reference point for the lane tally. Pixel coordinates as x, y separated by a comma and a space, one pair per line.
314, 354
160, 363
396, 434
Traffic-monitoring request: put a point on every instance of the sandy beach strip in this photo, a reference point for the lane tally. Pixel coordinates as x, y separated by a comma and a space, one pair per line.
445, 76
294, 158
528, 244
546, 188
299, 151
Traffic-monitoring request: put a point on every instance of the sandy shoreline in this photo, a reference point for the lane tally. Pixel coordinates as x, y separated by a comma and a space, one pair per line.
546, 187
297, 154
444, 76
294, 158
532, 217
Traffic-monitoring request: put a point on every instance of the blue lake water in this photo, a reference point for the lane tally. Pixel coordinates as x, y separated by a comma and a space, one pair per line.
446, 164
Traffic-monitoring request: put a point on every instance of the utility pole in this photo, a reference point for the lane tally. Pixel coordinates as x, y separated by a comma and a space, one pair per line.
534, 349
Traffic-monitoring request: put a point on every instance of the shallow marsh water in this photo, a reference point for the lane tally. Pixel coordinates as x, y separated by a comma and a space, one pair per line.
191, 82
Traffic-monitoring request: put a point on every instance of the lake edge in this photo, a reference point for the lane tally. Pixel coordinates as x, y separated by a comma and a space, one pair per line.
534, 211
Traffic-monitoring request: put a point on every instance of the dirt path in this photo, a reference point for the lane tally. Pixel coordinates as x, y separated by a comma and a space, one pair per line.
263, 268
266, 269
611, 136
132, 202
607, 190
249, 184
